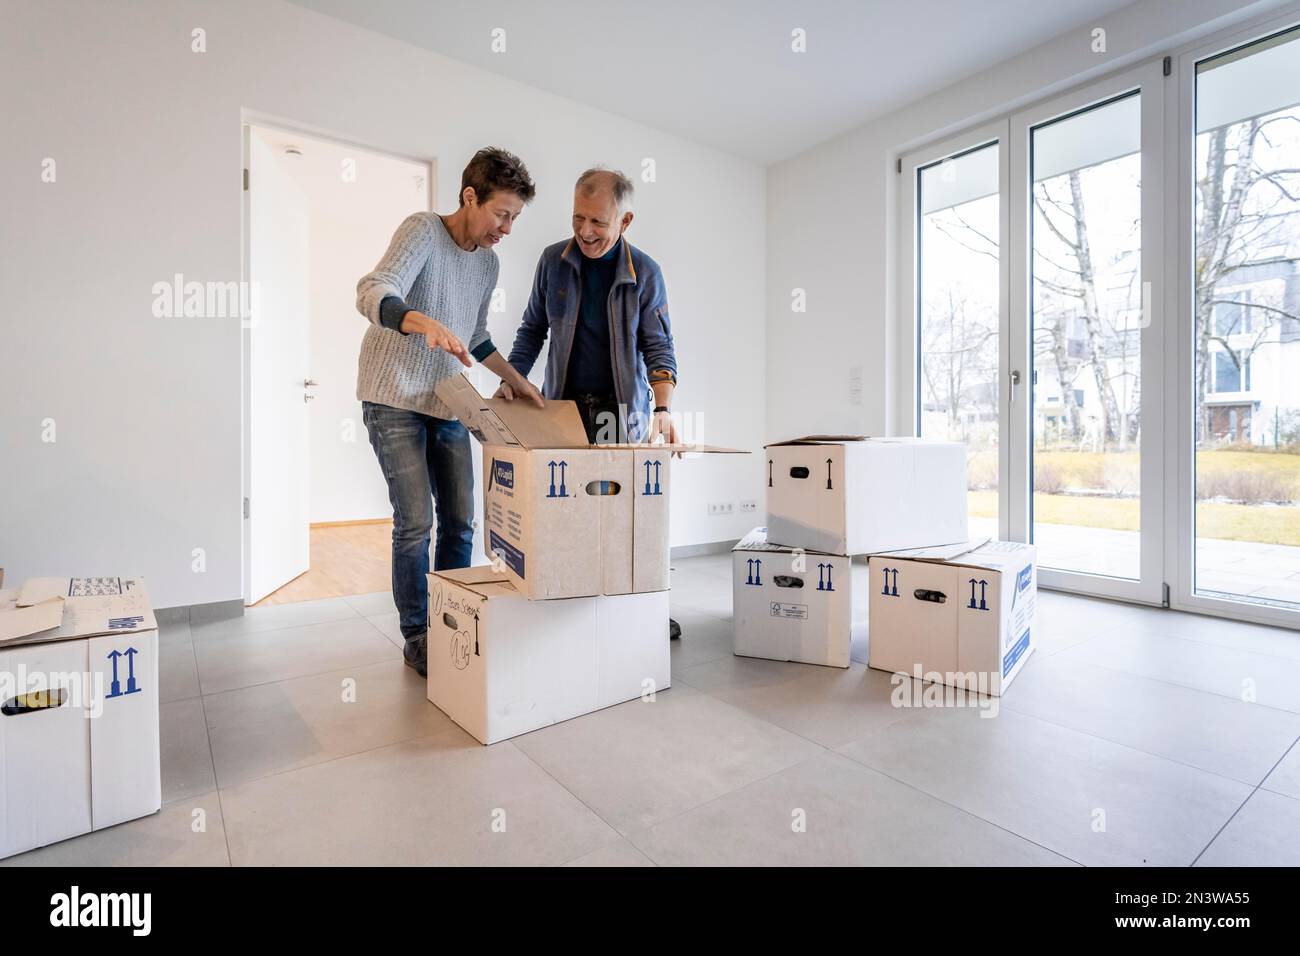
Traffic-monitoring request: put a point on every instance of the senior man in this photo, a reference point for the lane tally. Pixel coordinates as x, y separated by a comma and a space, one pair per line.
604, 305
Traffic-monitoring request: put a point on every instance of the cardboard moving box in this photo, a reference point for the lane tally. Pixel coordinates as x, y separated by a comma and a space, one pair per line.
79, 747
846, 494
501, 665
563, 518
788, 606
963, 615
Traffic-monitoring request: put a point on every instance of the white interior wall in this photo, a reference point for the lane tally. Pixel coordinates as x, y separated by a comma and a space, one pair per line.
832, 212
144, 474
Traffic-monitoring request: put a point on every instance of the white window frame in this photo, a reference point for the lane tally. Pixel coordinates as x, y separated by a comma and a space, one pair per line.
908, 341
1180, 397
1168, 499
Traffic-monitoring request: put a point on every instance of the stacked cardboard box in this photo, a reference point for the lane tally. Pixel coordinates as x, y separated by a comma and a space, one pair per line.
961, 615
941, 607
572, 615
78, 709
830, 497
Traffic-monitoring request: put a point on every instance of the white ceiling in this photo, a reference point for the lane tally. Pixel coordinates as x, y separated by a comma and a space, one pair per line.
722, 72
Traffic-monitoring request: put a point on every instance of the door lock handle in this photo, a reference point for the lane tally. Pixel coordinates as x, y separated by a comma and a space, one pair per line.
1015, 383
309, 383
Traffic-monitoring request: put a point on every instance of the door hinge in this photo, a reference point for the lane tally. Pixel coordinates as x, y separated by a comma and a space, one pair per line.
245, 507
1164, 598
1169, 66
898, 165
245, 180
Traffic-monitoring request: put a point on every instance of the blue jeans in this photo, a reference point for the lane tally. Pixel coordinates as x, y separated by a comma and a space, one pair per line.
425, 460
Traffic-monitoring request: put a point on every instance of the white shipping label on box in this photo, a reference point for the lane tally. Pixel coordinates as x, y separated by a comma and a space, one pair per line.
963, 617
501, 665
790, 606
851, 495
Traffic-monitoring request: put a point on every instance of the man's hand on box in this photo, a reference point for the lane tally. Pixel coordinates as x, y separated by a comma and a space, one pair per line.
662, 424
523, 389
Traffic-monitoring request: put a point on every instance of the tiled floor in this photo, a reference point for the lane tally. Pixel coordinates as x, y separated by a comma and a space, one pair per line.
296, 735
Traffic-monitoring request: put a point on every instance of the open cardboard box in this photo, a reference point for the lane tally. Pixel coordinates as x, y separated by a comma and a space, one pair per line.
849, 494
79, 744
564, 518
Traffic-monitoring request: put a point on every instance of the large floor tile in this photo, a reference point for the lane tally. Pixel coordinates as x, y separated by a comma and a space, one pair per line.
828, 705
1241, 675
186, 758
1263, 833
270, 728
370, 605
178, 673
1255, 638
177, 632
1285, 778
1205, 730
275, 616
830, 811
389, 626
704, 638
184, 833
706, 593
231, 662
442, 800
1091, 800
642, 762
618, 854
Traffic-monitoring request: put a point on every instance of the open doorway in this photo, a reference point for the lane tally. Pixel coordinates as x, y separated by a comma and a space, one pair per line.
318, 214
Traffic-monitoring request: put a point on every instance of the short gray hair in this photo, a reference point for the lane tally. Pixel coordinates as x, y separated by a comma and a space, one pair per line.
598, 177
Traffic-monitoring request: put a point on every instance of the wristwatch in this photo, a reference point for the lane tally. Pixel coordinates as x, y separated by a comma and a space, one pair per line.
661, 408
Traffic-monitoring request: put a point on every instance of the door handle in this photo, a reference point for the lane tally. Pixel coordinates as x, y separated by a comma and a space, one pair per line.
309, 383
1015, 383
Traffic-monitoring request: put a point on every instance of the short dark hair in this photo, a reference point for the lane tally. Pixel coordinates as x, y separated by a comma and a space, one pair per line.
496, 170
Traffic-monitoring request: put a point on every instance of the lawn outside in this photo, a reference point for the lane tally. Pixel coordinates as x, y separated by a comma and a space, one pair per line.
1265, 523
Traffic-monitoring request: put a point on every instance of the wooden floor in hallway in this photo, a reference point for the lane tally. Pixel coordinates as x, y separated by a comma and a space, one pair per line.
350, 558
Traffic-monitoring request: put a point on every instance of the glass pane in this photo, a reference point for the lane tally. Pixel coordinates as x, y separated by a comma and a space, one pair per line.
1087, 339
958, 293
1247, 323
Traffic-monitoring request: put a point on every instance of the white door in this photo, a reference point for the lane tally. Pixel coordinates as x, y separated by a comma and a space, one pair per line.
1086, 337
278, 517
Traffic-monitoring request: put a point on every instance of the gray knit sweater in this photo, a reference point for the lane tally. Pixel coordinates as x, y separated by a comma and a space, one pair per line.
427, 270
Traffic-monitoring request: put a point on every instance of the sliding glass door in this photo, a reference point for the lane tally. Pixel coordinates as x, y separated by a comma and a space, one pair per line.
956, 214
1101, 298
1239, 375
1085, 336
1033, 246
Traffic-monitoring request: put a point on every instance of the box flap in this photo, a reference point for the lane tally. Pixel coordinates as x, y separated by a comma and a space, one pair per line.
979, 553
496, 421
16, 622
756, 540
665, 446
78, 608
482, 580
818, 440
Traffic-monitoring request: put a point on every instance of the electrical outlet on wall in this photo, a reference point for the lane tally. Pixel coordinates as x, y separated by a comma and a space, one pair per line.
722, 507
749, 506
